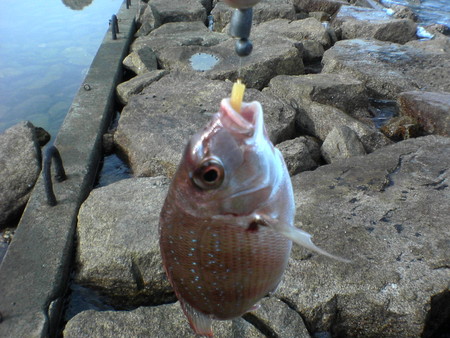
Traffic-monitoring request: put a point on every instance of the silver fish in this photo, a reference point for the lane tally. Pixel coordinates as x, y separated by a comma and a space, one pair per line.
227, 224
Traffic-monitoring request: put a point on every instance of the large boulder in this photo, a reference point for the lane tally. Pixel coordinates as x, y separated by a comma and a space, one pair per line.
177, 10
359, 22
328, 6
341, 142
117, 235
431, 109
156, 125
20, 165
388, 68
300, 154
388, 213
135, 85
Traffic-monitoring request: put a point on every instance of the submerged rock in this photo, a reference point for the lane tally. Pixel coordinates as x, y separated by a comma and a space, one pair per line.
388, 213
20, 166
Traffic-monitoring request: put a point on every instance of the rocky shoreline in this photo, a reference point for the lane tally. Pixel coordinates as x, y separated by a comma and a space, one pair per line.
377, 197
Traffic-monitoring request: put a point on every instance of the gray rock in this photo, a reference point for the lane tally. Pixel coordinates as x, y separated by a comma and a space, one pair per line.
145, 19
360, 22
178, 34
134, 86
164, 321
20, 165
387, 68
341, 142
439, 44
328, 6
118, 251
177, 10
340, 91
279, 318
300, 154
388, 213
319, 119
155, 126
404, 12
142, 61
431, 109
265, 10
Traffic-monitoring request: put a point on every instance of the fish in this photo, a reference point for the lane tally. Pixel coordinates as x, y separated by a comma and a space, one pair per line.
227, 224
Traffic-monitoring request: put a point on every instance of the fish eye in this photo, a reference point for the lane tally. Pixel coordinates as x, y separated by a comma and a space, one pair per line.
209, 174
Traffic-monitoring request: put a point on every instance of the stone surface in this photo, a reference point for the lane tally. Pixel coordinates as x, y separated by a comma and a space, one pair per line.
359, 22
155, 126
265, 10
20, 166
300, 154
134, 86
388, 69
118, 249
164, 321
341, 142
141, 61
401, 128
144, 19
177, 10
328, 6
388, 213
431, 109
318, 119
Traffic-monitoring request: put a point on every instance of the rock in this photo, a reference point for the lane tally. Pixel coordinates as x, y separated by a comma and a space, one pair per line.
388, 69
388, 213
145, 20
265, 10
341, 142
155, 126
42, 136
431, 109
318, 119
404, 12
278, 319
328, 6
134, 86
178, 34
280, 55
164, 321
340, 91
300, 154
141, 61
20, 167
177, 10
360, 22
401, 128
320, 16
437, 45
118, 249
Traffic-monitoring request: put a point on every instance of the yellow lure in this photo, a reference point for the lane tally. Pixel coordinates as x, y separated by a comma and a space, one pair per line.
237, 95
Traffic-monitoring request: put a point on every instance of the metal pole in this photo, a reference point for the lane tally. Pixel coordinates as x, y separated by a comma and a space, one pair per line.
52, 153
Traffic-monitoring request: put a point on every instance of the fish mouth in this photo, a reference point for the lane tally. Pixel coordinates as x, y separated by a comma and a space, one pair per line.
248, 122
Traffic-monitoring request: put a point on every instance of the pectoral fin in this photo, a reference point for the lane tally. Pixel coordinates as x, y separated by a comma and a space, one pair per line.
299, 237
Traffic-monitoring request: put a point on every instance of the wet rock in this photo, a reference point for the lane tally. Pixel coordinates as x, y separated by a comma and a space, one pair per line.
340, 91
177, 10
277, 319
20, 166
388, 69
431, 109
341, 142
164, 321
388, 213
263, 11
142, 61
300, 154
178, 34
155, 126
360, 22
118, 251
318, 119
401, 128
42, 136
134, 86
328, 6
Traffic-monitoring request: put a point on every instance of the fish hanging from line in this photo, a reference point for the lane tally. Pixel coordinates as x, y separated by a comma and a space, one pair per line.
226, 227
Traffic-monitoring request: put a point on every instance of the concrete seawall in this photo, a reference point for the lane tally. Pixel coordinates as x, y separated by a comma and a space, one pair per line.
35, 270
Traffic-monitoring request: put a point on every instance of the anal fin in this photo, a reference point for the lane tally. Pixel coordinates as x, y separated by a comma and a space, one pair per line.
200, 323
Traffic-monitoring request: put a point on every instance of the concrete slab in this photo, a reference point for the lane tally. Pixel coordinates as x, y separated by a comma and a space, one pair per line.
34, 272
